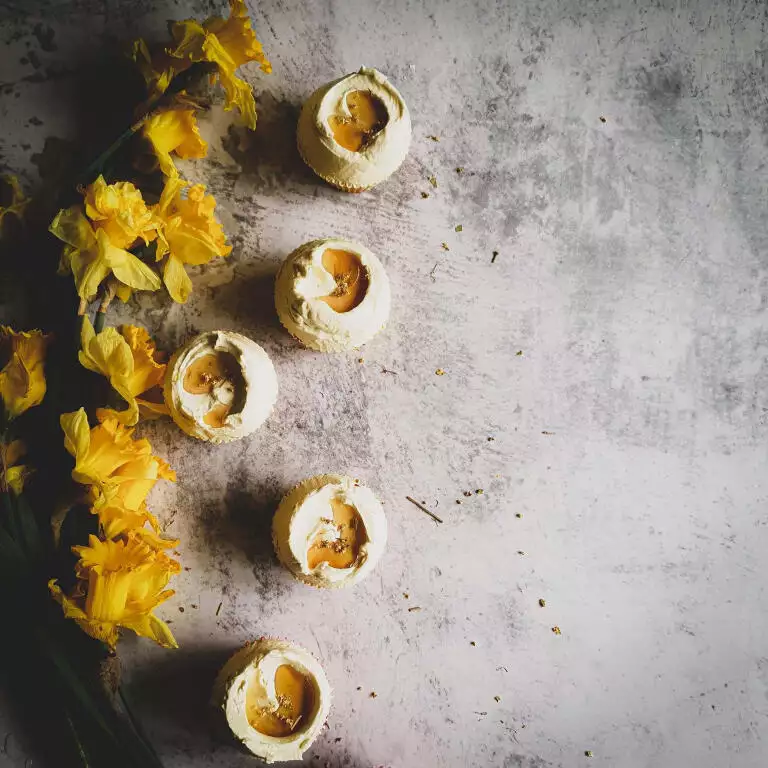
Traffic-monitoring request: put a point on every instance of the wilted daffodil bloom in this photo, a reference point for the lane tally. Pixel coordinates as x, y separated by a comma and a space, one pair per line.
121, 583
22, 376
120, 211
15, 474
190, 234
120, 470
174, 130
226, 43
128, 359
96, 245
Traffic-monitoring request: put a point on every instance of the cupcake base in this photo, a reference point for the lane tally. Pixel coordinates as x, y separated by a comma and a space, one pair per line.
330, 182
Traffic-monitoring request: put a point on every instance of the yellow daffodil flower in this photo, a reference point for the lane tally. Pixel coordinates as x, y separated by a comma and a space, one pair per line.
117, 521
190, 234
120, 212
128, 359
120, 470
174, 131
226, 43
22, 379
14, 474
91, 257
12, 200
122, 582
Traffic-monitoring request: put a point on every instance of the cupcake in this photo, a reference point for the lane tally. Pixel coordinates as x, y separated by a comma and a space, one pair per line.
220, 386
330, 531
355, 132
275, 698
332, 295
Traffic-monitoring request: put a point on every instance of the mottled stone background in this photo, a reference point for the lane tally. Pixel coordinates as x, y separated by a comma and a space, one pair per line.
614, 155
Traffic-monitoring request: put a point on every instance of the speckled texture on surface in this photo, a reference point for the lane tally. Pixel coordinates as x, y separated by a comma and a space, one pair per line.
614, 154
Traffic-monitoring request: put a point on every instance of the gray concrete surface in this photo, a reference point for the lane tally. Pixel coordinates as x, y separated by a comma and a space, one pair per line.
614, 155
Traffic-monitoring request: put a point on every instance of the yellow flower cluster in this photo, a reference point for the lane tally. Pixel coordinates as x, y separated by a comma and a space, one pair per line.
123, 573
225, 43
115, 218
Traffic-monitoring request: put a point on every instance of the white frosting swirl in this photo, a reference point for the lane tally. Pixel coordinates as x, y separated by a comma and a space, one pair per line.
303, 280
249, 409
254, 667
303, 515
354, 171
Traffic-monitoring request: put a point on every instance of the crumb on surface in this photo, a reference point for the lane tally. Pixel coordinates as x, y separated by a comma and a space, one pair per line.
542, 602
556, 630
440, 372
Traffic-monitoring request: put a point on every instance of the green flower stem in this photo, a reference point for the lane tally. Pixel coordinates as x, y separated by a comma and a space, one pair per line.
101, 318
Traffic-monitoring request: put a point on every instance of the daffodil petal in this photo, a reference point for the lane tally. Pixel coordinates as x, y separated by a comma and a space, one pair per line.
177, 280
77, 434
149, 410
71, 226
126, 267
71, 609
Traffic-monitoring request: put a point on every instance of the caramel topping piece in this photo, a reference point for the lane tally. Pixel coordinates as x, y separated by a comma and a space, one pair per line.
351, 279
343, 552
368, 117
216, 416
218, 374
205, 373
296, 699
